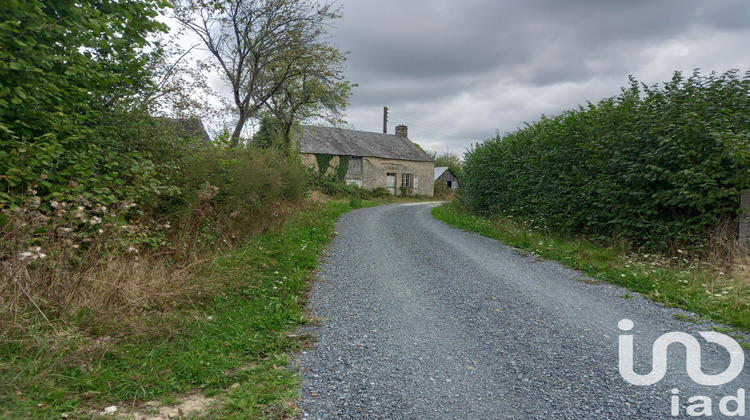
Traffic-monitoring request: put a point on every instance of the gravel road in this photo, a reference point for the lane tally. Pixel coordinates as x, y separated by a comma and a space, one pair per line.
423, 321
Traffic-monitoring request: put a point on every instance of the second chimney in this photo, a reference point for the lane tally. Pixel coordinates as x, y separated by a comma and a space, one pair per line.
402, 130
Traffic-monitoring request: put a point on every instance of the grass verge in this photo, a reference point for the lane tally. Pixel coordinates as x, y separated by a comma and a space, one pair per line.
710, 291
232, 343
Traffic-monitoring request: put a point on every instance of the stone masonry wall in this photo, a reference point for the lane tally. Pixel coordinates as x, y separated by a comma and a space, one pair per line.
375, 170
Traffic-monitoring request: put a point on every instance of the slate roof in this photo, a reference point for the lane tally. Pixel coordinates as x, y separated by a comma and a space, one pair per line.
439, 171
339, 141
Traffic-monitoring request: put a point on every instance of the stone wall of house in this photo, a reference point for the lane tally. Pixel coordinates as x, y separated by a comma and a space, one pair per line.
309, 160
375, 173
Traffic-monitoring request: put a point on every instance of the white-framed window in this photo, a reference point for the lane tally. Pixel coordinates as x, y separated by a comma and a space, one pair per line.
407, 180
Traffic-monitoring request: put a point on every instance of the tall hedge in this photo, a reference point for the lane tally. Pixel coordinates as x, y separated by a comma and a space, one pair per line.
656, 165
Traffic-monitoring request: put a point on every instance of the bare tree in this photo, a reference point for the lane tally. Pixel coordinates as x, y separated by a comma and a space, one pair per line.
258, 44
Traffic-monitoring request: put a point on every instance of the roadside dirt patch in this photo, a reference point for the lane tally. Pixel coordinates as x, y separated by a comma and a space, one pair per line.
190, 404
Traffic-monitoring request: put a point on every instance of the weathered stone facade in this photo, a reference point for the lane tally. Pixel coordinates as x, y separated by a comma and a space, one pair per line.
374, 159
415, 176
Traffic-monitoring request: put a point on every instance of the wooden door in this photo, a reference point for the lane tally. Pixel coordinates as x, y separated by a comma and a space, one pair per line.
391, 183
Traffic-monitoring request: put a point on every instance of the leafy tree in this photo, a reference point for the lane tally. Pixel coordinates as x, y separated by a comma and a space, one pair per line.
270, 134
317, 91
258, 45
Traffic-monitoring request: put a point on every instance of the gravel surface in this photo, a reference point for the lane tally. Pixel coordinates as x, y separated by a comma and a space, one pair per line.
423, 321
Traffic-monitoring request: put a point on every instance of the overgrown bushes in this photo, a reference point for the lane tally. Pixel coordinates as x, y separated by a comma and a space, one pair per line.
658, 166
58, 258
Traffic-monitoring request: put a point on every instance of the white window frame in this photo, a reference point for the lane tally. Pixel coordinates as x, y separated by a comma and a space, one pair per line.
407, 180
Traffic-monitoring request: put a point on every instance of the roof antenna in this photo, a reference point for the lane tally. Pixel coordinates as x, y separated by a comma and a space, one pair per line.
385, 120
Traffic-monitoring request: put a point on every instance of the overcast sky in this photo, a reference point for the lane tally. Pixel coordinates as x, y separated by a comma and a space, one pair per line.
455, 71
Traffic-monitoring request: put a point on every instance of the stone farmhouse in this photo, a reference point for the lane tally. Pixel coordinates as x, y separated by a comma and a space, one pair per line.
374, 160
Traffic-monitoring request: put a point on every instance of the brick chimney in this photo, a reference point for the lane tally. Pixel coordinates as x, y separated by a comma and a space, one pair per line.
401, 130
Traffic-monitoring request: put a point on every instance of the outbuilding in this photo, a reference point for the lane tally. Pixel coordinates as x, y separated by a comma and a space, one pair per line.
444, 174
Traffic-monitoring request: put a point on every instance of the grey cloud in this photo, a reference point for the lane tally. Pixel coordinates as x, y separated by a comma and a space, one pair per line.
462, 58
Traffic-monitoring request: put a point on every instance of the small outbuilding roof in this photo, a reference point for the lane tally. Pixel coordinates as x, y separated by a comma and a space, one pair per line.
439, 170
339, 141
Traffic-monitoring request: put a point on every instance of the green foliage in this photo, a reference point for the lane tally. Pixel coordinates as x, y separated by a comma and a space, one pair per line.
238, 332
317, 90
270, 135
342, 168
441, 189
324, 161
380, 192
69, 72
269, 50
235, 192
449, 159
657, 166
355, 200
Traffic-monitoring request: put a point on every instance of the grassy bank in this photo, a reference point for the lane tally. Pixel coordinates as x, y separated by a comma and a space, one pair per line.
719, 293
231, 342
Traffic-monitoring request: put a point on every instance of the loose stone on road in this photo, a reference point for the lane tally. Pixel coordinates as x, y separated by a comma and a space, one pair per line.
423, 321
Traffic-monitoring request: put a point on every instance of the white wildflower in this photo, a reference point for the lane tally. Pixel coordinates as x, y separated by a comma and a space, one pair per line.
126, 205
54, 204
78, 213
33, 254
95, 220
132, 249
35, 201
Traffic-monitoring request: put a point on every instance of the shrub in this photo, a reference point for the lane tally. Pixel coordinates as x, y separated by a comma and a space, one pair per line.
380, 192
234, 192
441, 190
59, 258
657, 166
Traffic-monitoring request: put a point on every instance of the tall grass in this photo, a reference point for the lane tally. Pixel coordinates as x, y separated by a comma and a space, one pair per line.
228, 340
